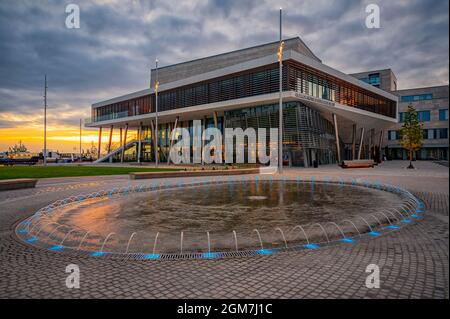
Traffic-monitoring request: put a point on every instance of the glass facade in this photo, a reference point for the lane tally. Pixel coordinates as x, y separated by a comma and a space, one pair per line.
423, 116
307, 136
439, 133
373, 79
443, 115
414, 98
296, 77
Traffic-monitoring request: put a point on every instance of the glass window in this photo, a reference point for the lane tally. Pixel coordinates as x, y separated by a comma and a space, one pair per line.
443, 115
442, 133
392, 136
374, 79
424, 116
401, 117
414, 98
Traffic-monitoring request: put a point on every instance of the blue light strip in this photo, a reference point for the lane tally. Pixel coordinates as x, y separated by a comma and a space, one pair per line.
210, 255
57, 248
152, 256
264, 252
311, 246
98, 254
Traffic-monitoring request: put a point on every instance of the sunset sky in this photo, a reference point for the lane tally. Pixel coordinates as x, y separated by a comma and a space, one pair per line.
112, 52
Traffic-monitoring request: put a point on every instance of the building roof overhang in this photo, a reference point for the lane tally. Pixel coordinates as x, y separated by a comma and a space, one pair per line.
252, 64
327, 108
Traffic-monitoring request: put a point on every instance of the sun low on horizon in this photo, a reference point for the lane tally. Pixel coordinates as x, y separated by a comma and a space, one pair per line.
64, 139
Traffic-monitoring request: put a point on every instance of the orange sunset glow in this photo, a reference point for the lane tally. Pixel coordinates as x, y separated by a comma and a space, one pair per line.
59, 138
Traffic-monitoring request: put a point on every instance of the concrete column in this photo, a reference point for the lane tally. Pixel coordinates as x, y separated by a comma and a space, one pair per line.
336, 133
170, 140
139, 131
99, 141
380, 143
124, 142
354, 142
305, 158
203, 141
371, 144
110, 138
216, 120
152, 126
121, 141
361, 143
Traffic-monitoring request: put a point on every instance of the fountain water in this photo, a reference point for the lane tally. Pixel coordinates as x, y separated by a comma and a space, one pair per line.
129, 241
105, 241
154, 243
282, 235
259, 237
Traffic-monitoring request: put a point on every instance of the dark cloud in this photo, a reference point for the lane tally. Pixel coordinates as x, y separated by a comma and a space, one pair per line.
118, 41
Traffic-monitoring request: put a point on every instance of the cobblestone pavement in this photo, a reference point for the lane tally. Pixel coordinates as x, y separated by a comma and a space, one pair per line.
413, 260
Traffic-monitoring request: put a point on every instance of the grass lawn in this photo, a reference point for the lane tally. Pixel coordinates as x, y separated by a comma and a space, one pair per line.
11, 172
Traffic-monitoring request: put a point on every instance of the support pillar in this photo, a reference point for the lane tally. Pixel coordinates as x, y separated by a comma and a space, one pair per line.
336, 133
216, 121
152, 127
110, 138
120, 144
170, 140
361, 143
203, 141
354, 142
139, 134
124, 142
216, 125
99, 142
380, 159
372, 144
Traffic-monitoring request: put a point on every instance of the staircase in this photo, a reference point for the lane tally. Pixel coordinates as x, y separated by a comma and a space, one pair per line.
116, 151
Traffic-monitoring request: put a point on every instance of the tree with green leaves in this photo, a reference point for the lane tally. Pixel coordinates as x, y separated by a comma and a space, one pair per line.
411, 133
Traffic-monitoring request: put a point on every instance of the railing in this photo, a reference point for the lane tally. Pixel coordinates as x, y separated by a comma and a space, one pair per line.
107, 117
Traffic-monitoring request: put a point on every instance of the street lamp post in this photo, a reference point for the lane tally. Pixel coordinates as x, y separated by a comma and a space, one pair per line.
280, 108
156, 113
80, 142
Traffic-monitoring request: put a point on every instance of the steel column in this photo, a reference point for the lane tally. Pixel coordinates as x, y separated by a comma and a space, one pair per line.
336, 133
170, 140
124, 142
361, 143
99, 142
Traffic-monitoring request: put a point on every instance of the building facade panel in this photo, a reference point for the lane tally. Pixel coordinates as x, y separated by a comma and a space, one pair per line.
432, 105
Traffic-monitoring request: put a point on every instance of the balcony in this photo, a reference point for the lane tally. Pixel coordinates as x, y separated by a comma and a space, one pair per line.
107, 117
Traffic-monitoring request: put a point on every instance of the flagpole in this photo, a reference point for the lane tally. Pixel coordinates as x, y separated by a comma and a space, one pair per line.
45, 120
280, 108
156, 114
80, 142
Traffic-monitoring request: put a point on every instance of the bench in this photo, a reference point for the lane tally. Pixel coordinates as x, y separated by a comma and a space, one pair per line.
193, 173
10, 184
358, 164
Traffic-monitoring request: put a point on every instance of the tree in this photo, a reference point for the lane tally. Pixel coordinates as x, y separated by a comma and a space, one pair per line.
412, 133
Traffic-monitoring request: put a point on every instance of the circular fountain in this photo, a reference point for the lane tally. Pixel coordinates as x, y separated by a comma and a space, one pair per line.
219, 218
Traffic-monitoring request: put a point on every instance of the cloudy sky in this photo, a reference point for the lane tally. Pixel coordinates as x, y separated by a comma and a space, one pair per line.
118, 41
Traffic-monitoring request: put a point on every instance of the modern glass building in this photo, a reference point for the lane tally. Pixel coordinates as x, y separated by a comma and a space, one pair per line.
328, 115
